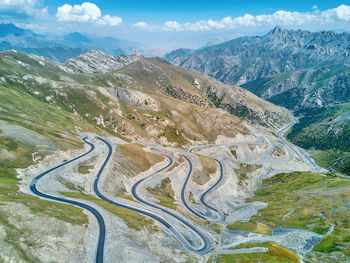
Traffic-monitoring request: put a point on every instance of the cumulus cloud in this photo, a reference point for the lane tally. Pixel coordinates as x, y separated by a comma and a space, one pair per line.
342, 12
314, 7
86, 12
281, 17
27, 7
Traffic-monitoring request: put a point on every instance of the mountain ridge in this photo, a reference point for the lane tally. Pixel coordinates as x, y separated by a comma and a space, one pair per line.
245, 59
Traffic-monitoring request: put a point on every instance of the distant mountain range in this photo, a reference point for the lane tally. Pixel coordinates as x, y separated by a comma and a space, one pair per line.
313, 66
60, 48
245, 59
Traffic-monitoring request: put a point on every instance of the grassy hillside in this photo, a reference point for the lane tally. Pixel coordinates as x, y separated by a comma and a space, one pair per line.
300, 200
327, 130
275, 254
115, 102
29, 130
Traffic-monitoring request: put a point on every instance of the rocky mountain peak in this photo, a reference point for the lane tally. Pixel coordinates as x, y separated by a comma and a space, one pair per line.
278, 29
280, 33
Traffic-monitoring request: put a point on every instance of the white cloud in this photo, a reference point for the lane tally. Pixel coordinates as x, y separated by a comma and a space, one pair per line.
45, 11
86, 12
281, 17
82, 13
147, 27
342, 12
28, 7
142, 25
173, 25
314, 7
109, 20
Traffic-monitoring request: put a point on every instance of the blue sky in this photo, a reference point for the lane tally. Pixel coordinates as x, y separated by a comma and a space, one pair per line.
165, 25
158, 11
190, 11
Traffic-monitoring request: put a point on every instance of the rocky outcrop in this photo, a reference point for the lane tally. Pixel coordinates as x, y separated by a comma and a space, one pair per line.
98, 62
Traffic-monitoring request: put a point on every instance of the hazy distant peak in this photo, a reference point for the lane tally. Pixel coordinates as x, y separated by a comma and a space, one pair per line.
11, 29
77, 37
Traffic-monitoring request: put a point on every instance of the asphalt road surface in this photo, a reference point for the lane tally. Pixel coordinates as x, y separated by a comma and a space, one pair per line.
102, 227
206, 244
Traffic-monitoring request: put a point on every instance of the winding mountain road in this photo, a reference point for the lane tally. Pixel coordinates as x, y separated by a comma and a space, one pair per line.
183, 190
261, 158
205, 245
102, 227
280, 135
205, 242
221, 216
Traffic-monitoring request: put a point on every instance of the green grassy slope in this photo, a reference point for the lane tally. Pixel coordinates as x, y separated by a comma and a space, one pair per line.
30, 126
322, 130
300, 200
316, 203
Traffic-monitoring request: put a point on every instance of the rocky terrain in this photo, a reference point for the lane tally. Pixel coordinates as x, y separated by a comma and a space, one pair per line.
98, 62
172, 161
148, 100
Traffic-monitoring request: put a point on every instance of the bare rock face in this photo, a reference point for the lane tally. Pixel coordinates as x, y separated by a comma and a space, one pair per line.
98, 62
